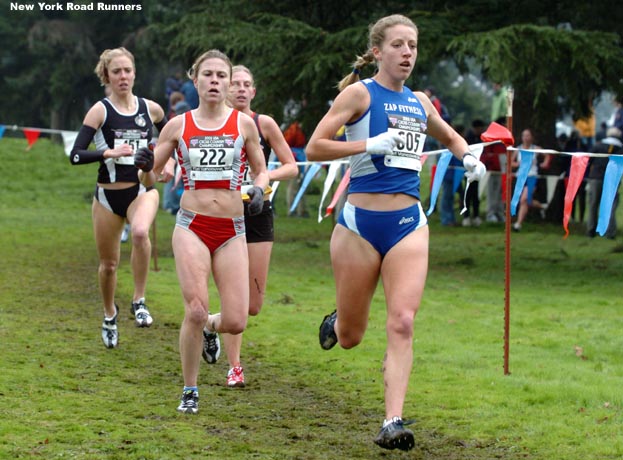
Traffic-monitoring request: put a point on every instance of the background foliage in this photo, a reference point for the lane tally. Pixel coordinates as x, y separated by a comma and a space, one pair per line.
557, 55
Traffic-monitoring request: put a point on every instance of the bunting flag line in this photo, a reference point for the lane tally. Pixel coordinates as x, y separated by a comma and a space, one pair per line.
339, 192
494, 134
31, 136
552, 181
331, 173
482, 184
274, 186
442, 166
614, 170
69, 137
576, 175
525, 161
309, 175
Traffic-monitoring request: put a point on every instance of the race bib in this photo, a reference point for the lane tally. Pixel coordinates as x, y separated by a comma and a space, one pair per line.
407, 154
132, 137
211, 158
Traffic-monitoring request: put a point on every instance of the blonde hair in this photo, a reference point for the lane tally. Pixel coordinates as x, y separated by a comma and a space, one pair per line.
101, 69
242, 68
376, 37
210, 54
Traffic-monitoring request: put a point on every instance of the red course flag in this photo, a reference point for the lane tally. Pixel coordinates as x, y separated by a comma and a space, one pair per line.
31, 136
497, 132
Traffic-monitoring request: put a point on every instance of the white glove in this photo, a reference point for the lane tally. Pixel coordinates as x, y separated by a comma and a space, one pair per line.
383, 144
475, 169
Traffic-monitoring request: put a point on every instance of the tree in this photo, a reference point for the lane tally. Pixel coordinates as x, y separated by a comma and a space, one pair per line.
305, 50
550, 69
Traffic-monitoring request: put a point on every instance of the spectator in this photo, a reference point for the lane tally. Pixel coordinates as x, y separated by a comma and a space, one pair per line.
189, 91
539, 162
603, 128
499, 102
171, 84
491, 156
439, 106
596, 168
472, 200
450, 189
618, 115
295, 137
586, 128
177, 103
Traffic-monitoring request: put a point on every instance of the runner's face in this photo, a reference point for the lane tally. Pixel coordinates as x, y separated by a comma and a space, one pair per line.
398, 51
241, 90
213, 80
121, 75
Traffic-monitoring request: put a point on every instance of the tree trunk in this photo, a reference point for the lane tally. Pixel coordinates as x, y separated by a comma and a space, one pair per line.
541, 119
57, 121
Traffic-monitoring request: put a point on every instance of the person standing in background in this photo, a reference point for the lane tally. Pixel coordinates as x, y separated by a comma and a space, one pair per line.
596, 171
499, 102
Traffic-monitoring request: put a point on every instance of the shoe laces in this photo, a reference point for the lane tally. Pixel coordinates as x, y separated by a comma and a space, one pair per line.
211, 341
236, 370
399, 421
110, 333
188, 397
139, 304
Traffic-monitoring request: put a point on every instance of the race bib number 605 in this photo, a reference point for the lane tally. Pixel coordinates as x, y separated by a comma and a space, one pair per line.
407, 153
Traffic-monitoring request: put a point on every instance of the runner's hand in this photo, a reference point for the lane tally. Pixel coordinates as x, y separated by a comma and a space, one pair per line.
256, 200
144, 159
383, 144
475, 169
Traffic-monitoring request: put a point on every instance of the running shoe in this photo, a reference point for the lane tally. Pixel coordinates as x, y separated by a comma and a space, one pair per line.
189, 403
125, 234
142, 317
235, 377
211, 346
394, 435
326, 334
110, 334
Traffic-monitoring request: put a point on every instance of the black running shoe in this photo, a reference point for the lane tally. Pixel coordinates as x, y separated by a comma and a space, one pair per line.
326, 334
110, 334
189, 403
142, 317
211, 346
395, 436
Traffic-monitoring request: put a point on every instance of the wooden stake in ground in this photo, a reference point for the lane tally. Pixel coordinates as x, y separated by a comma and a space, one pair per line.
154, 245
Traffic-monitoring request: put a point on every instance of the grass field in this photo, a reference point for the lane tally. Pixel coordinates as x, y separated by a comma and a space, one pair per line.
64, 396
